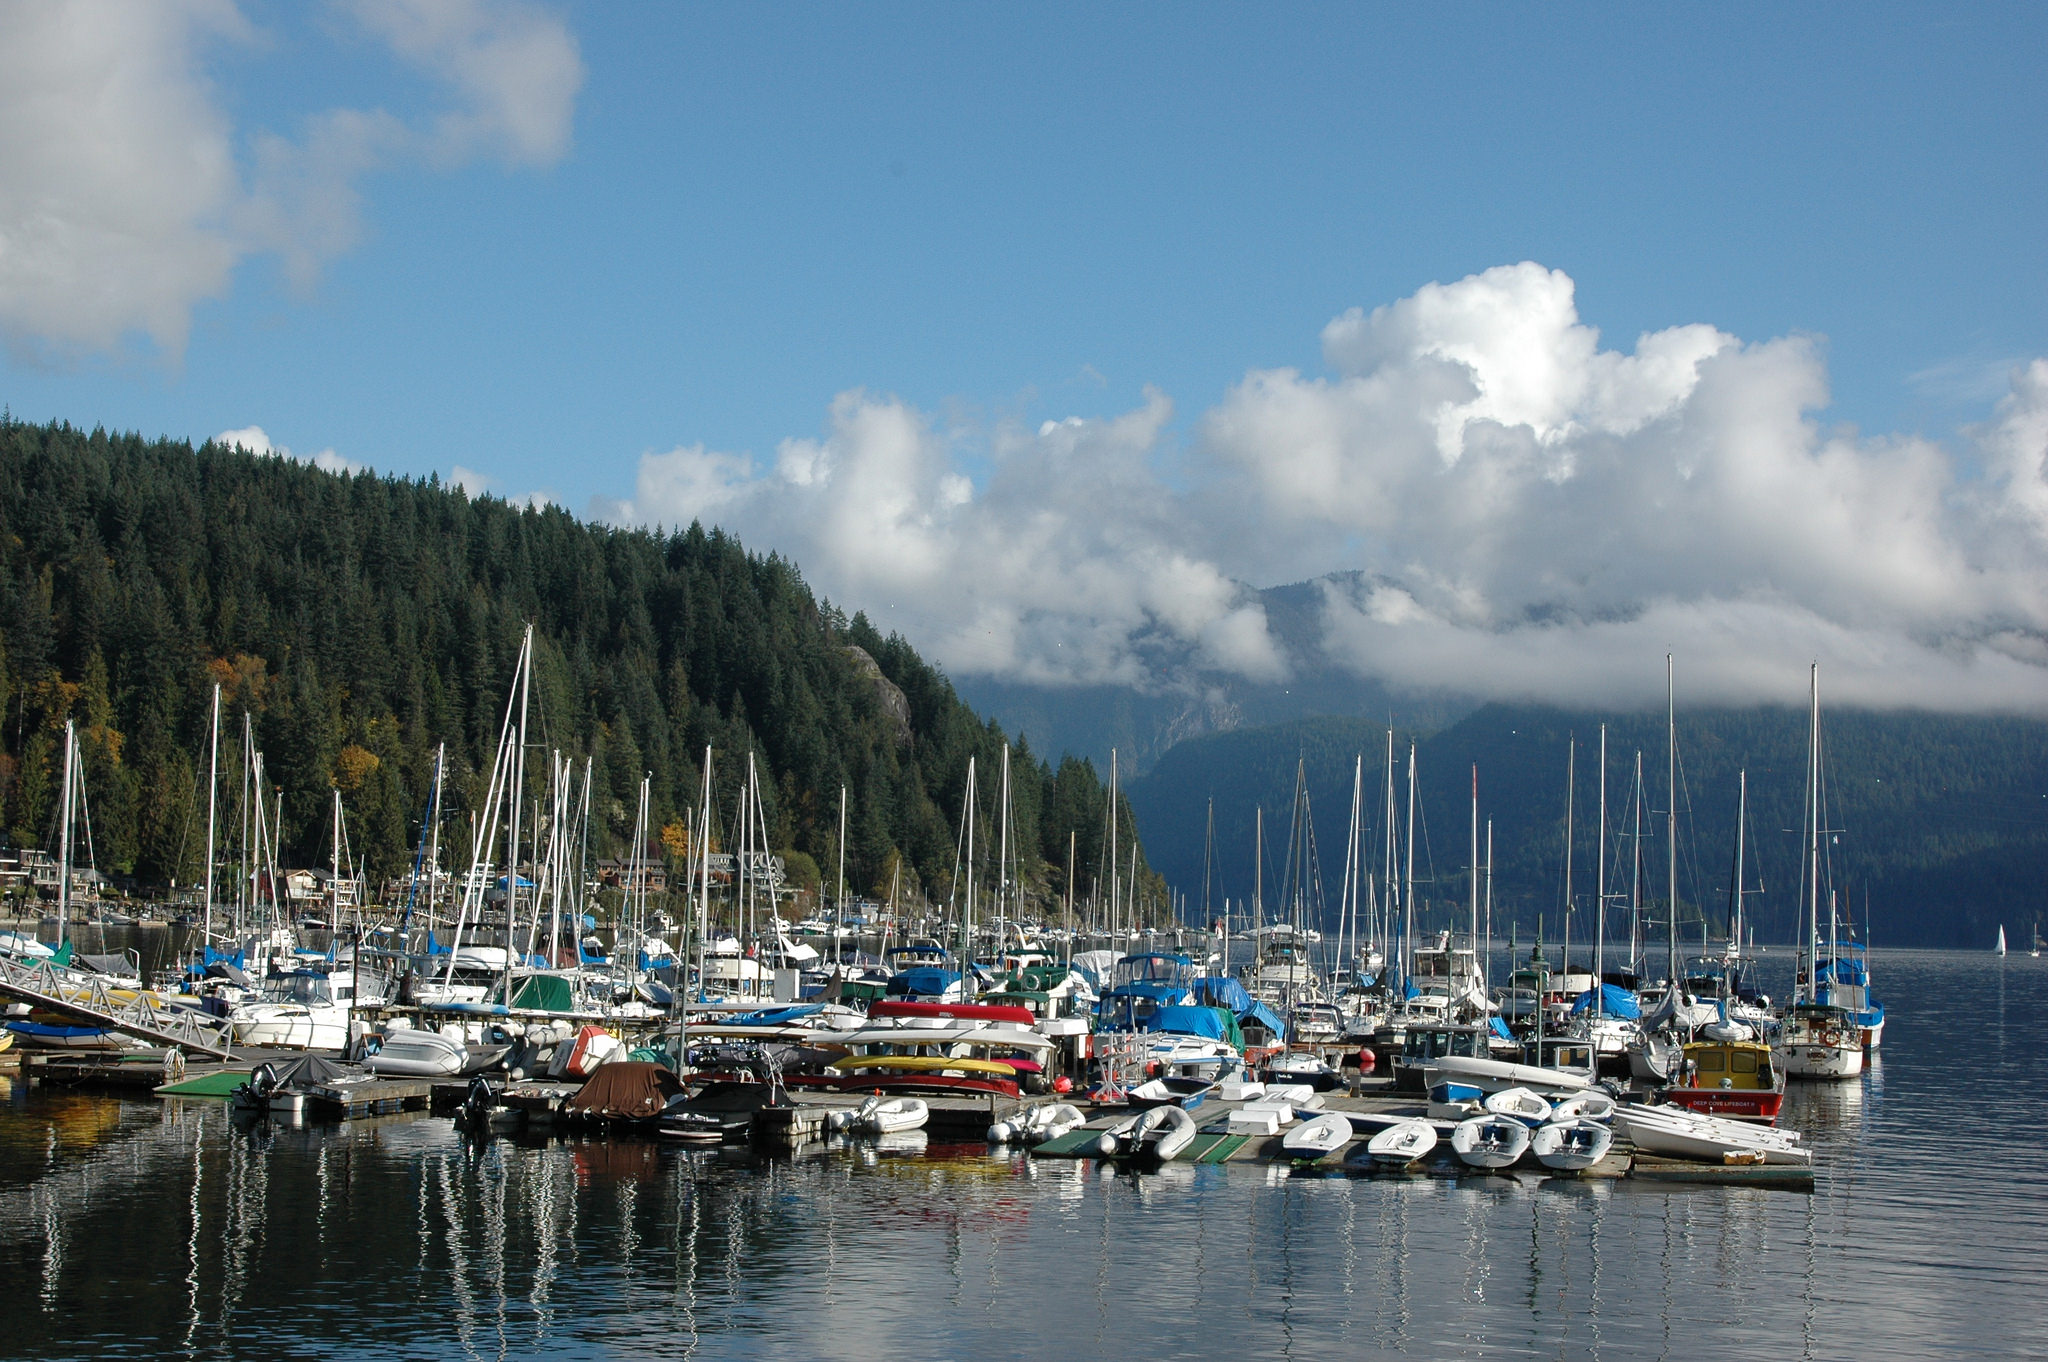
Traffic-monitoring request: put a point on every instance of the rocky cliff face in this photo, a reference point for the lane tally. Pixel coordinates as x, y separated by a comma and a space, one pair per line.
887, 692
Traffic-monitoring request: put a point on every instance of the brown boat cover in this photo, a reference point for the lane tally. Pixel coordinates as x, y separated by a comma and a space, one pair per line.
626, 1088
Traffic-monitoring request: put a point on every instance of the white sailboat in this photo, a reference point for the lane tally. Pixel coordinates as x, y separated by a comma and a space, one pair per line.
1818, 1039
2001, 939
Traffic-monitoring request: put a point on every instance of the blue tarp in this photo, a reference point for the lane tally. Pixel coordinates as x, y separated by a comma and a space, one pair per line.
1500, 1028
776, 1016
1219, 990
1615, 1001
1258, 1014
434, 947
1187, 1021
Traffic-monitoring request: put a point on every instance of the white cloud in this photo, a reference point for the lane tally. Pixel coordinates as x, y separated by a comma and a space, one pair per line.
1534, 516
1065, 566
254, 440
128, 196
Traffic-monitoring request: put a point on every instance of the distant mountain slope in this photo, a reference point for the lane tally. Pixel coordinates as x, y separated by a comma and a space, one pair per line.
1943, 821
360, 620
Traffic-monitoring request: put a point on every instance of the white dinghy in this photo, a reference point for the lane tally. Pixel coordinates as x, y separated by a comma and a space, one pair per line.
1316, 1139
1523, 1105
1493, 1074
1402, 1143
1682, 1134
1571, 1145
1586, 1106
1047, 1121
417, 1054
1154, 1136
890, 1116
1490, 1141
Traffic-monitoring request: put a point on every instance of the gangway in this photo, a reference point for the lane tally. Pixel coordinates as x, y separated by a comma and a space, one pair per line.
91, 1003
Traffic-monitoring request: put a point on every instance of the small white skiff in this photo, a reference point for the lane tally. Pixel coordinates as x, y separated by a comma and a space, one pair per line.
1490, 1141
1571, 1145
1312, 1140
1402, 1143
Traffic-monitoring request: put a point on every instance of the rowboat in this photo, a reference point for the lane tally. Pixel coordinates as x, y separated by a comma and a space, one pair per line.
1494, 1074
1571, 1145
1312, 1140
1455, 1101
1520, 1104
1586, 1106
1402, 1144
1490, 1141
1684, 1134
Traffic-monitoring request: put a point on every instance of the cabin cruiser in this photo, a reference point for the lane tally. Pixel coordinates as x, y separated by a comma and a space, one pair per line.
305, 1009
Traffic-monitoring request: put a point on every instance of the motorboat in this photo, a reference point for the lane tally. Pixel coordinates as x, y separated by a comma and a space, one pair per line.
1490, 1141
417, 1053
1734, 1078
1678, 1133
1520, 1103
1401, 1144
1303, 1066
1047, 1121
1312, 1140
1571, 1145
890, 1115
718, 1113
1152, 1136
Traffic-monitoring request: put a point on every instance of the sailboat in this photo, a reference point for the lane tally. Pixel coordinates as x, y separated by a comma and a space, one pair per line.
2036, 951
2000, 948
1819, 1038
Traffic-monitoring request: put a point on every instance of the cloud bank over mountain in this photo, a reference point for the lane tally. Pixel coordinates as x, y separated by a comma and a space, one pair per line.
1520, 514
129, 193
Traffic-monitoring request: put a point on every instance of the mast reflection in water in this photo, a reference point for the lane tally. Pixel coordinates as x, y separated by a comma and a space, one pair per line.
137, 1228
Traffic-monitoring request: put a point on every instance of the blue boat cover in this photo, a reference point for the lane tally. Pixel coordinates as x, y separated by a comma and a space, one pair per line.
1206, 1022
1500, 1028
1260, 1014
1615, 1001
1220, 990
434, 947
923, 981
776, 1016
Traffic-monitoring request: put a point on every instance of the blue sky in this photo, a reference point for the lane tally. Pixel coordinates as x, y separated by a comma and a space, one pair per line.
699, 226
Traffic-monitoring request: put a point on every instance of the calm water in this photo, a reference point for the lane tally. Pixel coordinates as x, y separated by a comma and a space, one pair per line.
139, 1228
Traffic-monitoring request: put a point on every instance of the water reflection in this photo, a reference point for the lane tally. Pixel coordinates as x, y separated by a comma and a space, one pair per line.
137, 1227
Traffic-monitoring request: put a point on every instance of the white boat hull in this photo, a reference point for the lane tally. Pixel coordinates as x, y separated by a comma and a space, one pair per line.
1313, 1140
1495, 1075
1571, 1146
290, 1026
1490, 1141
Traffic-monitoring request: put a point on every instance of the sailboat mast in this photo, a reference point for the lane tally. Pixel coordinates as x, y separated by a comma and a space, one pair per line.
1472, 935
1116, 900
839, 899
1671, 817
1408, 897
1571, 786
1600, 889
1635, 876
212, 801
514, 792
64, 834
1735, 898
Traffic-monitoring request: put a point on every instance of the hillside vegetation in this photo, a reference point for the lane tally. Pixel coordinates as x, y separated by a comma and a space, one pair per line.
359, 621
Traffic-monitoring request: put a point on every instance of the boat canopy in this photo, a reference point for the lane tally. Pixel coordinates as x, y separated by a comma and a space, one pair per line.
776, 1016
921, 980
545, 993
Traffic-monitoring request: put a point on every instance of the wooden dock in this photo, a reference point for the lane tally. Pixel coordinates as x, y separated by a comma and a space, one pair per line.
373, 1097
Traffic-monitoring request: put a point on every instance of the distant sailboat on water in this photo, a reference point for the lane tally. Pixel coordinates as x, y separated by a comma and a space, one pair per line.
2001, 939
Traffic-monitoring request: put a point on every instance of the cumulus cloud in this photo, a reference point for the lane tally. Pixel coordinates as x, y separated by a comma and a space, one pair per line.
1067, 564
255, 441
1503, 507
128, 195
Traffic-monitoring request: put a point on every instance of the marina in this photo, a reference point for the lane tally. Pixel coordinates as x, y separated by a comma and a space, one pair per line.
406, 1233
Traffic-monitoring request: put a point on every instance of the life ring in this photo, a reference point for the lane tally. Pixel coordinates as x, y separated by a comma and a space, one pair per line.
1831, 1038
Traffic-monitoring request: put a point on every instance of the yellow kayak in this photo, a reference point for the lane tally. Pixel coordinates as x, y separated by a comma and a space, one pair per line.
923, 1064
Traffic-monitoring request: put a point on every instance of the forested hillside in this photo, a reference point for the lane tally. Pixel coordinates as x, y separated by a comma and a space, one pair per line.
1939, 822
358, 621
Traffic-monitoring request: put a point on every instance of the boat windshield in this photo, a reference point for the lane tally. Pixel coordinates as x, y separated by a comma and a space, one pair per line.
309, 990
1178, 970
